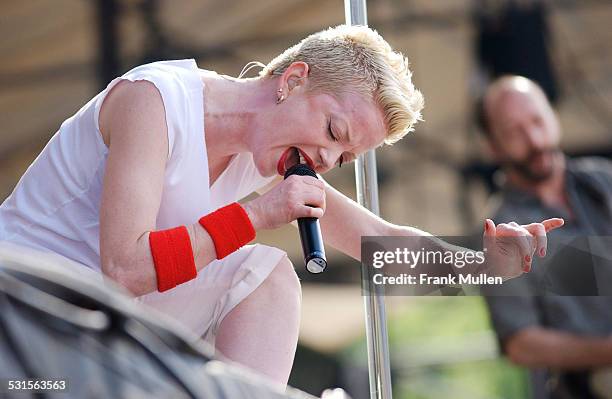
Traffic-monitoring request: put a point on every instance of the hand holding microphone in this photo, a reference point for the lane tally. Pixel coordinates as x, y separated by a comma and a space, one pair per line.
310, 229
300, 196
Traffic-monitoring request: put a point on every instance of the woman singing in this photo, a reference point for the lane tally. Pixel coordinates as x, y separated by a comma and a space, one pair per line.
141, 184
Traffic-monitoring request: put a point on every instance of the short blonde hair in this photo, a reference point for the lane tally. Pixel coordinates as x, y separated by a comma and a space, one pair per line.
356, 59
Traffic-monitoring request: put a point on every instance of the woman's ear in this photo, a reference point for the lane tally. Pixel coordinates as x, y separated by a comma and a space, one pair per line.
296, 74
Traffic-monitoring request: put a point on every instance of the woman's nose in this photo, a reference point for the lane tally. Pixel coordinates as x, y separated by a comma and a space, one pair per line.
327, 160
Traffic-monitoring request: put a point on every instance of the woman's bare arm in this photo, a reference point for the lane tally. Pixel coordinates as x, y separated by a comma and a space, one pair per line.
511, 246
132, 120
345, 222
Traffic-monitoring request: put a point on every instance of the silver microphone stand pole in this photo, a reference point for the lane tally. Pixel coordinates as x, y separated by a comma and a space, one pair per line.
367, 195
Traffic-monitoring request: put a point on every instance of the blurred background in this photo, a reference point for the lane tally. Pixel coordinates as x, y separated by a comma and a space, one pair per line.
57, 54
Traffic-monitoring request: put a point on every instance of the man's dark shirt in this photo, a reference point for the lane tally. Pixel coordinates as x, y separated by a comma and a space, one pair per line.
576, 264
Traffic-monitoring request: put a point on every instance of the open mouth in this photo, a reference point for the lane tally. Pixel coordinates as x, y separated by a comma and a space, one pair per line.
291, 157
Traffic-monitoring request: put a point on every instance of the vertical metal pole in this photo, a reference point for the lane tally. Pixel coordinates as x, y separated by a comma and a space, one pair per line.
367, 195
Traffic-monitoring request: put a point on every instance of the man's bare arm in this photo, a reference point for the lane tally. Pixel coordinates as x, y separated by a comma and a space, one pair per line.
544, 347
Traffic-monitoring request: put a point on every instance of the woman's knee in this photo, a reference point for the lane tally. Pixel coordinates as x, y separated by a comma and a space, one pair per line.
284, 282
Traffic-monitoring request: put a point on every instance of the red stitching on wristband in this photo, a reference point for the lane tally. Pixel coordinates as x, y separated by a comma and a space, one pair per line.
172, 257
229, 227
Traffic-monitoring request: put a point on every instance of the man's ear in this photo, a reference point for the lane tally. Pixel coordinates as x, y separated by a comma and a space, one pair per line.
492, 148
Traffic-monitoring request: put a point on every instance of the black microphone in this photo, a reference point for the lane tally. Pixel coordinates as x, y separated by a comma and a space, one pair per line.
310, 229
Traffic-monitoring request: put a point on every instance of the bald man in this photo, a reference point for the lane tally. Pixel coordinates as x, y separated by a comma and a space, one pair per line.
565, 340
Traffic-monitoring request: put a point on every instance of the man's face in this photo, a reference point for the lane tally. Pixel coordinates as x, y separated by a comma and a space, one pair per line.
525, 133
319, 130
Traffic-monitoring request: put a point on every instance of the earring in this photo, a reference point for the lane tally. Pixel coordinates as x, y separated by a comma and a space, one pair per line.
280, 96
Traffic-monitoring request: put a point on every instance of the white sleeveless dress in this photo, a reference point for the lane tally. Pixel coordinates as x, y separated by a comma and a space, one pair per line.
55, 206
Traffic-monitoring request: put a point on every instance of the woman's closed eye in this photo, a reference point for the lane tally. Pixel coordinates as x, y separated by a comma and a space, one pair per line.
331, 132
333, 137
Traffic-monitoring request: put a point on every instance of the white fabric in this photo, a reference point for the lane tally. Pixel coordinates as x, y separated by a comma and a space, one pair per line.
202, 303
55, 205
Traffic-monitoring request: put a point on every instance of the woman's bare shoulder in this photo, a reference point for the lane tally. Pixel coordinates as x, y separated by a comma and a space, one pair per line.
134, 105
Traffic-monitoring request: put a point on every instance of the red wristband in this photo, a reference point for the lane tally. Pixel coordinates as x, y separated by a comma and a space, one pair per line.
173, 257
229, 227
